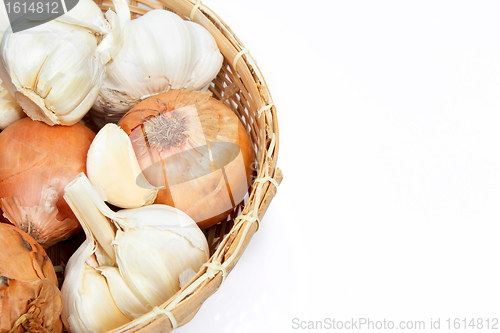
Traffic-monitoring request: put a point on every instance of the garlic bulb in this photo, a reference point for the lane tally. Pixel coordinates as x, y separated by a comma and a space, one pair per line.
10, 110
107, 283
112, 166
160, 52
4, 21
57, 68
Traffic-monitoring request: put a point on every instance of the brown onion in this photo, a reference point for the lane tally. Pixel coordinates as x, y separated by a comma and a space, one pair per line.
196, 148
36, 162
30, 300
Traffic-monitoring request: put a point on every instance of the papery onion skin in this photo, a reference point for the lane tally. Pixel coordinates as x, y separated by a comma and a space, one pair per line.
29, 294
37, 162
204, 186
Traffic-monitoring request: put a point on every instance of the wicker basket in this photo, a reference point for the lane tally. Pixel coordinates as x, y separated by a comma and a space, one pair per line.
242, 88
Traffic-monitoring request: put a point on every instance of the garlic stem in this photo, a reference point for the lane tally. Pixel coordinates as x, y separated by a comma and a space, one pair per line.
81, 197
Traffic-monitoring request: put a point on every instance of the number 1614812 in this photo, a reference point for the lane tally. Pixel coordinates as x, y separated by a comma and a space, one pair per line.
32, 7
472, 323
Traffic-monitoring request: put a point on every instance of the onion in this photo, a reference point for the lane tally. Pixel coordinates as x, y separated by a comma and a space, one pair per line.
37, 162
29, 297
196, 149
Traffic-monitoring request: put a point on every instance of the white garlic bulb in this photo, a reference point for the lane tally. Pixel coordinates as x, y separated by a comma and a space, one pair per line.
57, 68
10, 110
132, 260
160, 52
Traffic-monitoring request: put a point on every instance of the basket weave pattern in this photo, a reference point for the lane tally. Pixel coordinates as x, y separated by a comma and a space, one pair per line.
241, 86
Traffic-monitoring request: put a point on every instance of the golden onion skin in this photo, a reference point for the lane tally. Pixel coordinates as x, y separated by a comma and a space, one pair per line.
196, 148
37, 162
30, 299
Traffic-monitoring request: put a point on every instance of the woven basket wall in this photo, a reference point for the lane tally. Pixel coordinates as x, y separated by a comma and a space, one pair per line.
241, 86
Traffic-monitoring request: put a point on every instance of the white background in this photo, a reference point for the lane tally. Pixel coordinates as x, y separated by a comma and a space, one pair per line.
389, 115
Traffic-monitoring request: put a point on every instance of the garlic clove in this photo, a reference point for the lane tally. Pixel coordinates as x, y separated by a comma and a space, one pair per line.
186, 276
98, 312
207, 58
10, 110
87, 302
86, 13
179, 223
125, 299
75, 115
154, 278
112, 165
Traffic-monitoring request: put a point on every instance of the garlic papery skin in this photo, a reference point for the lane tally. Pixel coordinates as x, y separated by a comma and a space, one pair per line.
152, 246
55, 72
87, 302
86, 13
10, 110
160, 52
113, 166
154, 281
57, 68
123, 297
